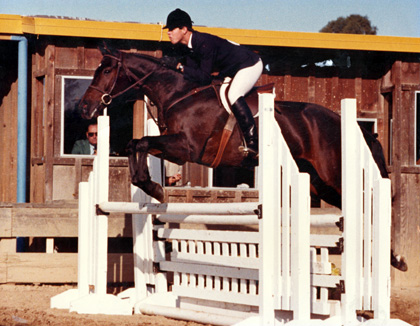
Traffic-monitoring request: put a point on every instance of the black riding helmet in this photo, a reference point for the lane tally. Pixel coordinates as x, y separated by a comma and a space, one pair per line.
178, 18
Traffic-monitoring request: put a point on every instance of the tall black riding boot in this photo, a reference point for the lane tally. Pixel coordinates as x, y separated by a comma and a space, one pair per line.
247, 124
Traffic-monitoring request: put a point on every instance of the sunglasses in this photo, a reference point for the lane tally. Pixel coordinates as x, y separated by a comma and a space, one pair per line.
91, 134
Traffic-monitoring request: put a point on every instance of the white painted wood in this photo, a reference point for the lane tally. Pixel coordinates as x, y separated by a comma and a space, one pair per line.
381, 248
214, 270
324, 240
300, 250
180, 208
350, 210
210, 219
269, 197
209, 235
224, 260
102, 186
83, 240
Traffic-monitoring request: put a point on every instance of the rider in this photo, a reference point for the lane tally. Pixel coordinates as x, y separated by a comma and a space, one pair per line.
210, 52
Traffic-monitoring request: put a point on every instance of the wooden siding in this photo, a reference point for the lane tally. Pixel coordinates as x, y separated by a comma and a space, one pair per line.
8, 121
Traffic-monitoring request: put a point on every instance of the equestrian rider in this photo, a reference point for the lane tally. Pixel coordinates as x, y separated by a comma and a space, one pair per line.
210, 53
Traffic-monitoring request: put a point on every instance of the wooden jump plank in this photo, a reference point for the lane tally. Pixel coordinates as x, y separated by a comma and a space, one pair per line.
5, 222
58, 268
28, 221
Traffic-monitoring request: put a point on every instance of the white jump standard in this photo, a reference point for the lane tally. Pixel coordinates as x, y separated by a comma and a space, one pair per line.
277, 275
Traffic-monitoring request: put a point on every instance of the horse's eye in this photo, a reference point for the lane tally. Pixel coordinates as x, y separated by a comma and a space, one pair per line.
107, 71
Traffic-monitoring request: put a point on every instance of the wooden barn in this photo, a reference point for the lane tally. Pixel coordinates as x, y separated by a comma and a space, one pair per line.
47, 63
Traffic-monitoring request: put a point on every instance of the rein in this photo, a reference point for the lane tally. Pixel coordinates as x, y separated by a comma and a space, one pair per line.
107, 97
193, 92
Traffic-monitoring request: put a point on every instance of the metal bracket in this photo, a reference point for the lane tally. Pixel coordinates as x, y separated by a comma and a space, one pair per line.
99, 211
340, 224
341, 286
340, 245
258, 211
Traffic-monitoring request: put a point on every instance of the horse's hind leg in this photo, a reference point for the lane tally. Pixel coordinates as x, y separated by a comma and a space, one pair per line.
139, 172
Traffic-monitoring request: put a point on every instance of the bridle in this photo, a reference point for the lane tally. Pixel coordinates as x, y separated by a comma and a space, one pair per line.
107, 96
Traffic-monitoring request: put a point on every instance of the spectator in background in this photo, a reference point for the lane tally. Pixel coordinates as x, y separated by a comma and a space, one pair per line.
87, 146
172, 173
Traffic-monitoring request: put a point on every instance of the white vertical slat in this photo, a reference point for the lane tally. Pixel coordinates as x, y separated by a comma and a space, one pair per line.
367, 243
253, 284
285, 224
102, 186
300, 263
278, 148
192, 249
381, 249
268, 172
83, 240
358, 179
349, 149
142, 243
92, 224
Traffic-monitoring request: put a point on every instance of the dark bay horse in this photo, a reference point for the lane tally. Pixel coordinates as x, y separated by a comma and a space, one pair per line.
191, 119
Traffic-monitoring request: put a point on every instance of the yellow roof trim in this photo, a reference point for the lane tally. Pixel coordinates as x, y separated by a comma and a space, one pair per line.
10, 24
85, 28
319, 40
14, 24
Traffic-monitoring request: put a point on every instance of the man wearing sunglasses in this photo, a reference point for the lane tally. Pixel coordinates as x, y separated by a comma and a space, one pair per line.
87, 146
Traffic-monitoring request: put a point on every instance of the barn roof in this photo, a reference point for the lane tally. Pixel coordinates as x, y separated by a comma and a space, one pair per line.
15, 24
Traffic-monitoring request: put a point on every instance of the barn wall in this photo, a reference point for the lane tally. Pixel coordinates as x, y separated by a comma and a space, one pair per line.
405, 77
8, 120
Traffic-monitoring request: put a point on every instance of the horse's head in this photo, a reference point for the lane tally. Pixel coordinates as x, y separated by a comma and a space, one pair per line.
109, 81
123, 76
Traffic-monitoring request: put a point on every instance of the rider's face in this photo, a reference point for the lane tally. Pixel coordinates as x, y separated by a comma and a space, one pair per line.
177, 35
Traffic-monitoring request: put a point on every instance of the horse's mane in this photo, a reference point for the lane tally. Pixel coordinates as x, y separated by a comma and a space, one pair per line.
147, 57
183, 83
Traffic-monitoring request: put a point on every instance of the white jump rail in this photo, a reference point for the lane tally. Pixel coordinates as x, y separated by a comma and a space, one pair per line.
250, 278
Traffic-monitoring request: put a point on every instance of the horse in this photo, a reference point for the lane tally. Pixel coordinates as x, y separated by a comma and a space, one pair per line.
191, 120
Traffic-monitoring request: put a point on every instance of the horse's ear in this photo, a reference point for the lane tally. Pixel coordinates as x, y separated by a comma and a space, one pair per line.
105, 49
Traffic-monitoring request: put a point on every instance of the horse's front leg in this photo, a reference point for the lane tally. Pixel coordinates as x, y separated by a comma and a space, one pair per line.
139, 172
138, 149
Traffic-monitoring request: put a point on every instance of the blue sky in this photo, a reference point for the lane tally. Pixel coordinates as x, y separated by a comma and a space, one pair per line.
393, 18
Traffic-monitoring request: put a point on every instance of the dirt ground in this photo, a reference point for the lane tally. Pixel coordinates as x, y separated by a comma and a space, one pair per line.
30, 305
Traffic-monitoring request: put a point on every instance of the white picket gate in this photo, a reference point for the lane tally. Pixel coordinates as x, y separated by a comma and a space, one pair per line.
275, 275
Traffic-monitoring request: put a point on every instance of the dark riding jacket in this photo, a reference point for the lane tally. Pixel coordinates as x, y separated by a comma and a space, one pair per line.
211, 53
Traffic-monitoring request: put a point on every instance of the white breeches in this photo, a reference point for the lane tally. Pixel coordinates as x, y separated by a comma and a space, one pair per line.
244, 80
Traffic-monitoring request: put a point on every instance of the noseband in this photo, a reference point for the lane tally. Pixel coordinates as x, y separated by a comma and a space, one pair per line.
107, 97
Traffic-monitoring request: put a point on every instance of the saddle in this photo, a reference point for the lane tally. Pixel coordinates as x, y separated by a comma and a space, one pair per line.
221, 89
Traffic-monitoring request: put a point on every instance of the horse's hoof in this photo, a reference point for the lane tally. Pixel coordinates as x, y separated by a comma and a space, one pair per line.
398, 262
160, 195
366, 314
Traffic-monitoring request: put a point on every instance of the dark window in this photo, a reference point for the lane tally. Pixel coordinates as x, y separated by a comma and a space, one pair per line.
74, 126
